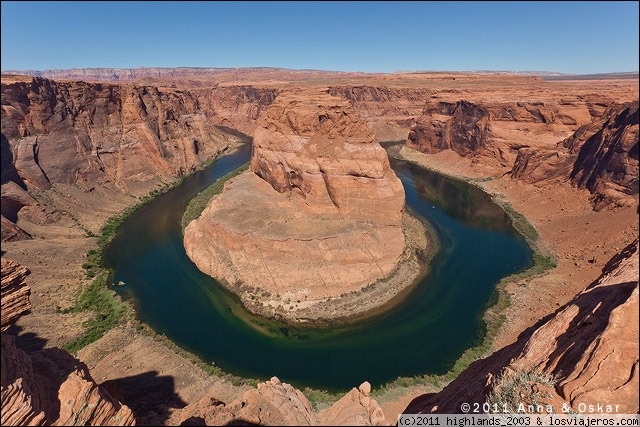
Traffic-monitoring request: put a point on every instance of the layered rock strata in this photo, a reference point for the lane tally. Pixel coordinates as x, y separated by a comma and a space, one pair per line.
47, 387
78, 132
319, 214
494, 130
126, 138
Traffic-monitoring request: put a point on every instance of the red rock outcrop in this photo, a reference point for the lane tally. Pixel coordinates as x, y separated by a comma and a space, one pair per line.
317, 147
589, 346
318, 215
356, 408
270, 403
388, 111
126, 137
47, 387
78, 132
594, 340
599, 150
492, 129
15, 293
275, 403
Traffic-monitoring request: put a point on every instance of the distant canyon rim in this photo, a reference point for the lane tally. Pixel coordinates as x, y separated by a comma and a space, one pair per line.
562, 153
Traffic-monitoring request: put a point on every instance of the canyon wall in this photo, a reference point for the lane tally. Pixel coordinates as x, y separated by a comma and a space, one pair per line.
601, 156
388, 111
94, 142
49, 386
127, 135
318, 215
180, 75
592, 143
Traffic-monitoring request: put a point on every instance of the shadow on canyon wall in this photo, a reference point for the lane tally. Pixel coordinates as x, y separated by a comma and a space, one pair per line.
149, 395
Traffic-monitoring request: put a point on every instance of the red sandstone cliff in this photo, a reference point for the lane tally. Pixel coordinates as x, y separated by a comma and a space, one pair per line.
601, 153
125, 137
388, 111
601, 156
78, 132
47, 387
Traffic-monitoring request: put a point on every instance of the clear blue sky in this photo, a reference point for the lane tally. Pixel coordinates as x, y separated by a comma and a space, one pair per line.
568, 37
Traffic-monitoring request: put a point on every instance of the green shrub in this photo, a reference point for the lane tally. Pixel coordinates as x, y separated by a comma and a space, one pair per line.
514, 388
107, 311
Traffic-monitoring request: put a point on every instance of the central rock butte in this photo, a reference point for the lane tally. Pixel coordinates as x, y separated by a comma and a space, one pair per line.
319, 215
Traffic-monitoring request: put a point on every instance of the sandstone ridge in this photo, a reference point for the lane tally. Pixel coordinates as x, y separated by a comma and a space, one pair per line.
318, 215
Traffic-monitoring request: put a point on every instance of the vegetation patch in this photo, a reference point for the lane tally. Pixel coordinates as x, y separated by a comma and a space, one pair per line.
321, 399
520, 387
107, 309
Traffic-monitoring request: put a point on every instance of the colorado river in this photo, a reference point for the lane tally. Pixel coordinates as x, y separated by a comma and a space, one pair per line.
426, 333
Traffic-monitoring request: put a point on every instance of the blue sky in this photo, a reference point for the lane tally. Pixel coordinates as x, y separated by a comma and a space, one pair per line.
568, 37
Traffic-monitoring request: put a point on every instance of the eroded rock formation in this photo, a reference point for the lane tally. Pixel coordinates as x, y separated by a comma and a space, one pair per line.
601, 153
78, 132
129, 138
388, 111
601, 157
356, 408
318, 215
47, 387
491, 129
270, 403
275, 403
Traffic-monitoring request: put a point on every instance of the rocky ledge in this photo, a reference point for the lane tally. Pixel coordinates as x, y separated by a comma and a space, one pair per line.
318, 217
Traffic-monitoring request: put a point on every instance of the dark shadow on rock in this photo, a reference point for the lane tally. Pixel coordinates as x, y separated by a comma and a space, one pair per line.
52, 366
28, 341
8, 170
471, 385
594, 311
240, 422
193, 421
148, 395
